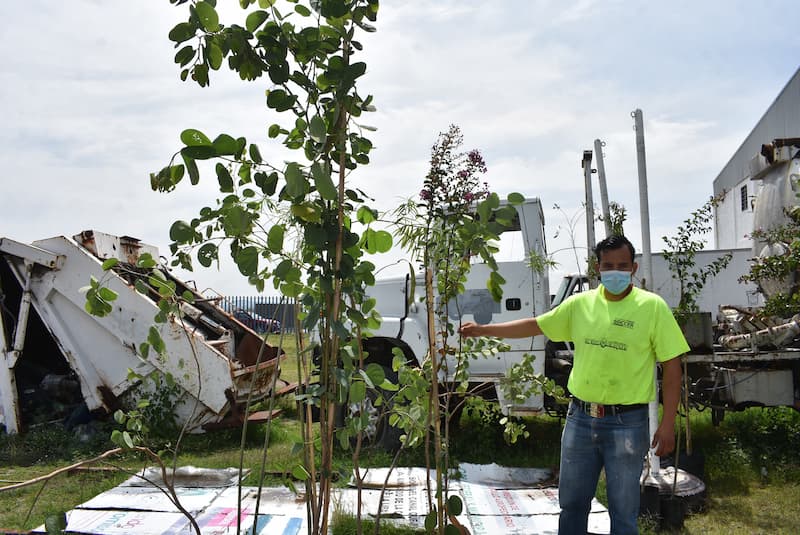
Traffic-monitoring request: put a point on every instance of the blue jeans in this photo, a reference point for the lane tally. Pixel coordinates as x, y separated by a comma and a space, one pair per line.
616, 442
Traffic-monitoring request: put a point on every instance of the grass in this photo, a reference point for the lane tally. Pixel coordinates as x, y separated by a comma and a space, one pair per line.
752, 468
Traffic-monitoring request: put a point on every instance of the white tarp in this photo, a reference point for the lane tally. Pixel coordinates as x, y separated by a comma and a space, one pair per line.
496, 500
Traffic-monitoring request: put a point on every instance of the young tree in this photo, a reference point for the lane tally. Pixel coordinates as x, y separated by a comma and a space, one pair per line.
306, 54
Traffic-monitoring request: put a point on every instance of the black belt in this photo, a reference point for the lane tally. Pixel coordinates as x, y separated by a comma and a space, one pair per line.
598, 410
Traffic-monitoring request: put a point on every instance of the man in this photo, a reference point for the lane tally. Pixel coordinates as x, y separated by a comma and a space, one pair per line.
619, 332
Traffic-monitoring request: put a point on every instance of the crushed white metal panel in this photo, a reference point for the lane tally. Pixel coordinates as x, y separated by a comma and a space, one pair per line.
211, 356
31, 253
123, 248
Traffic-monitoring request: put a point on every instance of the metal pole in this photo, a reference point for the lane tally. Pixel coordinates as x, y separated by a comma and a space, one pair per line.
647, 266
586, 164
601, 176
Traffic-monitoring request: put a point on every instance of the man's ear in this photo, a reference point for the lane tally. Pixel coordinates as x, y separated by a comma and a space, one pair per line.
635, 267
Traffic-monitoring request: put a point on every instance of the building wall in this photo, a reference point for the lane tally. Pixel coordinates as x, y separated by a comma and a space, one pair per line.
781, 120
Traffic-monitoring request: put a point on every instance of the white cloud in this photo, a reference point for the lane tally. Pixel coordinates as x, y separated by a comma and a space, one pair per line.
91, 103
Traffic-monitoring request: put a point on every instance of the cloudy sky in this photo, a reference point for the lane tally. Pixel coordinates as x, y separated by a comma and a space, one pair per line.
91, 103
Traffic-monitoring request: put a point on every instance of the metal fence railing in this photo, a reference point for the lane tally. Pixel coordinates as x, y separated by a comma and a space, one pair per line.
270, 307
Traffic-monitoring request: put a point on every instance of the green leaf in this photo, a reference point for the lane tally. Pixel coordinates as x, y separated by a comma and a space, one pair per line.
184, 55
516, 198
141, 286
247, 261
181, 232
225, 144
126, 437
299, 472
375, 373
255, 19
296, 183
279, 100
182, 32
207, 254
317, 129
450, 529
307, 212
430, 521
224, 178
200, 152
274, 130
208, 16
275, 238
323, 182
214, 55
454, 505
267, 183
383, 241
358, 391
255, 154
110, 263
191, 167
195, 138
302, 10
366, 215
107, 294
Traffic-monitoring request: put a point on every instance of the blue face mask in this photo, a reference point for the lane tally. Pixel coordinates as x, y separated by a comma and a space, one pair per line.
615, 282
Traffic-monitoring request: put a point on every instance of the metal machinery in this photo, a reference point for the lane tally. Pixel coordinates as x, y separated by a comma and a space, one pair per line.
55, 353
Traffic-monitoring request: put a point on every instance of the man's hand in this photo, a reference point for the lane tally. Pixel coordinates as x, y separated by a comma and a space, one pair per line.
664, 439
470, 329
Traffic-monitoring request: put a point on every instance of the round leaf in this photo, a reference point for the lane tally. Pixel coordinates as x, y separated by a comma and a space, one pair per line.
207, 254
366, 215
323, 182
275, 238
255, 19
516, 198
358, 391
182, 32
224, 178
375, 373
317, 129
181, 232
296, 183
383, 241
454, 505
208, 16
225, 144
247, 261
195, 138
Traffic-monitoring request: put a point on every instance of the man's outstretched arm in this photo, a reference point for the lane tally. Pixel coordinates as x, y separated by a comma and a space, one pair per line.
522, 328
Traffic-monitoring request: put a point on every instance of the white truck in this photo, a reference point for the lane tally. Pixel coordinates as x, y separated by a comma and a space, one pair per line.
525, 294
56, 357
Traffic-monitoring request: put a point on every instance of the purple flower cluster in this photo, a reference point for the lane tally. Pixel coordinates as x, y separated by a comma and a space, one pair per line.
453, 181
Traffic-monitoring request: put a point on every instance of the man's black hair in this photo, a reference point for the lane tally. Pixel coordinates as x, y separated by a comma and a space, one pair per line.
614, 242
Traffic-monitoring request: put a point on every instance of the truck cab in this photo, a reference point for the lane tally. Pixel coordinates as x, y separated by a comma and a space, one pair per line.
525, 294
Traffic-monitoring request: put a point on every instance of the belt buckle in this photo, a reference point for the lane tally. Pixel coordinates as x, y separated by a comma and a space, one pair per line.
597, 410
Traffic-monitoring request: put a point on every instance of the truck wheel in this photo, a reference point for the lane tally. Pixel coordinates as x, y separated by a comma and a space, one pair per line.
378, 433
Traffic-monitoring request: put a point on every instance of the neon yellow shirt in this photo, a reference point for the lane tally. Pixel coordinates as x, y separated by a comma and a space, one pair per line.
617, 343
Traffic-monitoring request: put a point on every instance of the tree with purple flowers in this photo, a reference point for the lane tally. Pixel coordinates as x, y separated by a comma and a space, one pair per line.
456, 218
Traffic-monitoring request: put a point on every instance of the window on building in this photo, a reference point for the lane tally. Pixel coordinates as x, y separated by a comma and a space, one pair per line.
745, 202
